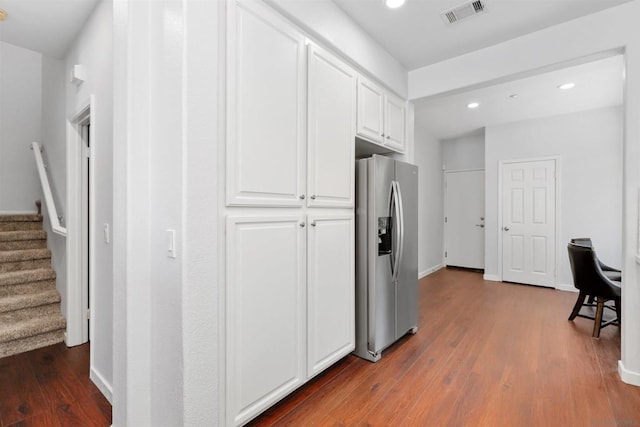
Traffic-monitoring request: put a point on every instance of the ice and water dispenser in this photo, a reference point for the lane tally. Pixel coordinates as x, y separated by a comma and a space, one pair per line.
384, 235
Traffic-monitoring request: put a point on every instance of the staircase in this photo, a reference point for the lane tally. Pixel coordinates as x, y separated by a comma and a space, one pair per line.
30, 314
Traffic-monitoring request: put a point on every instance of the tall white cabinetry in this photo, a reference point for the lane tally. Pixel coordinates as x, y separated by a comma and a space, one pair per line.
289, 293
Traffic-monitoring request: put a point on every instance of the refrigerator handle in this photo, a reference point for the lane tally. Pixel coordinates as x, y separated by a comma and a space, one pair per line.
398, 226
401, 227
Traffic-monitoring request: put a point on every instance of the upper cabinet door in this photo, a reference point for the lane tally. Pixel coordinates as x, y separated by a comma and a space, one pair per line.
331, 130
370, 111
266, 108
395, 129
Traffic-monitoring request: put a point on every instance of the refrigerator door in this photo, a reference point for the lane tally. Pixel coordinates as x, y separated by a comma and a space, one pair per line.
382, 295
407, 283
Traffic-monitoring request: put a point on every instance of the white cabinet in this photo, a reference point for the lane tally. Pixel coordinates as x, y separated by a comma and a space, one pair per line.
370, 111
381, 116
330, 290
265, 313
395, 119
266, 107
331, 129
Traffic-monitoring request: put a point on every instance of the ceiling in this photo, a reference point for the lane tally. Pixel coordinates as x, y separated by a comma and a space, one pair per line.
598, 84
417, 36
45, 26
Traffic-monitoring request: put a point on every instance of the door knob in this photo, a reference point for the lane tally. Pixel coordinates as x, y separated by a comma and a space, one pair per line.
506, 228
480, 225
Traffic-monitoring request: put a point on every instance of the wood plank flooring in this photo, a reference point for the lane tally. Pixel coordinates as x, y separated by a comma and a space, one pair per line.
486, 354
51, 387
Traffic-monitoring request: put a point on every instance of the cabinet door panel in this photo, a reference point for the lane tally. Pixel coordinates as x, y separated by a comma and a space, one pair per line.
395, 131
331, 130
331, 290
265, 312
265, 106
370, 111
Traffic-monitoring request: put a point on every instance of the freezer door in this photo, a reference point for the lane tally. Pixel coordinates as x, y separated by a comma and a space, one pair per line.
407, 283
382, 295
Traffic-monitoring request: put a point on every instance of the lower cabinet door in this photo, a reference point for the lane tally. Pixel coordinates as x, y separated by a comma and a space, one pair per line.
265, 312
330, 290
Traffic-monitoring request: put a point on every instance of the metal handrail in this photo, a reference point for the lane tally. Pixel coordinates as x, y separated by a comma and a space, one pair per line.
54, 219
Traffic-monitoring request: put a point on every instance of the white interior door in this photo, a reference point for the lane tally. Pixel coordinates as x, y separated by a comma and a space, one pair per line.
464, 226
529, 222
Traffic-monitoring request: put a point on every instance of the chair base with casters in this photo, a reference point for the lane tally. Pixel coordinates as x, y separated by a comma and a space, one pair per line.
600, 306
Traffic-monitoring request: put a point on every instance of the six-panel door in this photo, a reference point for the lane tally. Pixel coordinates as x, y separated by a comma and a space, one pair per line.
265, 312
331, 290
331, 130
266, 108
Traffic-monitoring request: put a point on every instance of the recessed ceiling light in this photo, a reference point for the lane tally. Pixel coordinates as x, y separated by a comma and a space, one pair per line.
567, 86
473, 105
394, 4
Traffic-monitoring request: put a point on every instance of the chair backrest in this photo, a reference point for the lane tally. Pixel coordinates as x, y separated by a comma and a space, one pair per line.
586, 272
583, 241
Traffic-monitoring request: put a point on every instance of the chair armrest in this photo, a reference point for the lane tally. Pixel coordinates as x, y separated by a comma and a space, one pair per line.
605, 267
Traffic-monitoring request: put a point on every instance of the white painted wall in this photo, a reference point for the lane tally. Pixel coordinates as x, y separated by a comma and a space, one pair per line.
54, 142
20, 124
93, 48
428, 157
614, 29
464, 153
589, 144
324, 20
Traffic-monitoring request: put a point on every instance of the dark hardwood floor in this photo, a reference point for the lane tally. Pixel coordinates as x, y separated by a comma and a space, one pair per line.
486, 353
51, 387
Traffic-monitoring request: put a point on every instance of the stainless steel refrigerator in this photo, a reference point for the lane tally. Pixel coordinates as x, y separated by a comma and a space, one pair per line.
386, 253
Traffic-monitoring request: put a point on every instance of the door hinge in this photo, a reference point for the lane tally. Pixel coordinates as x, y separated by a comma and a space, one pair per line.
445, 254
88, 314
87, 152
445, 219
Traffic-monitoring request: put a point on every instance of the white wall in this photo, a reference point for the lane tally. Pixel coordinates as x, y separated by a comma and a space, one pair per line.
612, 30
428, 157
20, 124
464, 153
93, 48
589, 144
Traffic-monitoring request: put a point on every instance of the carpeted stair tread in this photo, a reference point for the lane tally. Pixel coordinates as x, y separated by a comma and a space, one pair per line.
25, 276
31, 343
19, 324
21, 218
20, 235
24, 255
19, 301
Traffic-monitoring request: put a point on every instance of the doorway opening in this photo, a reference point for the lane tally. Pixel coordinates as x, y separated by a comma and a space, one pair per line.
80, 238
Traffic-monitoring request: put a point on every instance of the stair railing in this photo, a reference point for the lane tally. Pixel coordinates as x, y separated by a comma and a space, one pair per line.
54, 219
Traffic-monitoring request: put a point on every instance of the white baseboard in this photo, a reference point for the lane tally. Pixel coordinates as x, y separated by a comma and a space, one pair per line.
491, 277
566, 288
627, 376
102, 384
429, 271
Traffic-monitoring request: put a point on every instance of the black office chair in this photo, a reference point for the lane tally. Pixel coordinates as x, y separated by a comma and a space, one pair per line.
590, 280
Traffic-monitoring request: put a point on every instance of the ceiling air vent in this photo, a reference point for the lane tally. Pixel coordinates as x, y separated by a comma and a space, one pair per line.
463, 11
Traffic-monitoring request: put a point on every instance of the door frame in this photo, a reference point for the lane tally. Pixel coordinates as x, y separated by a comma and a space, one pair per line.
80, 294
558, 243
444, 192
